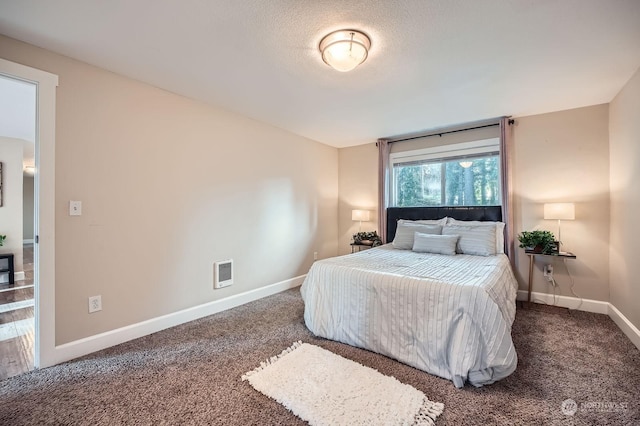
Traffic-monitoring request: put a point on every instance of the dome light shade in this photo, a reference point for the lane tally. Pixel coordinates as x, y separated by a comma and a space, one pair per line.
345, 49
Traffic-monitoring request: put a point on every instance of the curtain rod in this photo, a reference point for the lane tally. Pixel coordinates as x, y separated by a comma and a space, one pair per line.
428, 135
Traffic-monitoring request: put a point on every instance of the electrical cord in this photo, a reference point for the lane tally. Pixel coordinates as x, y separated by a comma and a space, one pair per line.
553, 285
572, 284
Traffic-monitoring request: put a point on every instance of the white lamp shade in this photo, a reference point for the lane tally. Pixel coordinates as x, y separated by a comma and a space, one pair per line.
361, 215
560, 211
344, 50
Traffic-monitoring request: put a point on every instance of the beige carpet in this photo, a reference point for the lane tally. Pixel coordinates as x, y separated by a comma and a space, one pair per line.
191, 375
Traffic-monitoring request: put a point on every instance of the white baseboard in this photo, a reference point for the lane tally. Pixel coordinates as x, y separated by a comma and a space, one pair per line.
625, 325
107, 339
588, 305
17, 276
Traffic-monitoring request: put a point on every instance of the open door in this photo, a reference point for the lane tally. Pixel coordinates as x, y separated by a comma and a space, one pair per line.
44, 84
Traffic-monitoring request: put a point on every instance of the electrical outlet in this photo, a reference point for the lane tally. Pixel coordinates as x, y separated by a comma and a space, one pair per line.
315, 255
95, 304
548, 272
75, 208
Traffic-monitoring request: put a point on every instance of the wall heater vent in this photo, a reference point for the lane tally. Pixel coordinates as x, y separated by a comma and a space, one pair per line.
223, 273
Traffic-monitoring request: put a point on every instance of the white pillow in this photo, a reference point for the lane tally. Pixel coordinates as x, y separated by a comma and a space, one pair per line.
404, 234
441, 222
499, 226
439, 244
477, 240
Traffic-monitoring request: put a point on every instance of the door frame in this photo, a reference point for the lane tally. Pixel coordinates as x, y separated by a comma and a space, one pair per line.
44, 207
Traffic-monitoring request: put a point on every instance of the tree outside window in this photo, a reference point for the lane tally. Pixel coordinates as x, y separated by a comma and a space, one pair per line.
461, 182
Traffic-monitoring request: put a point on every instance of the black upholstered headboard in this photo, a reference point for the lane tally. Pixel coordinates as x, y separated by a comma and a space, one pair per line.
485, 213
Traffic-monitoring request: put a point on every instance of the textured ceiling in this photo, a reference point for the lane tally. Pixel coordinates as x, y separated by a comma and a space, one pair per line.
432, 63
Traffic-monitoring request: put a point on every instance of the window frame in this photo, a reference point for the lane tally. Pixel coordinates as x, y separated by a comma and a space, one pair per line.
442, 154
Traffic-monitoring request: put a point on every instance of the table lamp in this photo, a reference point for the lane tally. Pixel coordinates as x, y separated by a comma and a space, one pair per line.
560, 212
360, 215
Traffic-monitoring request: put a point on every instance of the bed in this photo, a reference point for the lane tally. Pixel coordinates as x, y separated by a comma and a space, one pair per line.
448, 315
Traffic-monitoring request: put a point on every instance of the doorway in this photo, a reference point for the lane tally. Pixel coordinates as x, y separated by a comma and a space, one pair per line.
41, 346
17, 283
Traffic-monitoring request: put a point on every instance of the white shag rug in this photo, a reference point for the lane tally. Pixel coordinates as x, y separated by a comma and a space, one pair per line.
326, 389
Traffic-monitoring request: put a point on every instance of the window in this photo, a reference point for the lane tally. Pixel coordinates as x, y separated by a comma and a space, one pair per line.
466, 174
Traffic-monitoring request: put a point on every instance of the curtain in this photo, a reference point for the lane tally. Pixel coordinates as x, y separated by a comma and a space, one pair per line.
383, 179
506, 141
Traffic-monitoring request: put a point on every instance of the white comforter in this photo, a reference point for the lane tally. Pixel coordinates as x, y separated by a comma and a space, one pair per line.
447, 315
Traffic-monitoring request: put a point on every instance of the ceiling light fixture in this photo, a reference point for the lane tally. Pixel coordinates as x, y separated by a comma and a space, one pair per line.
345, 49
466, 164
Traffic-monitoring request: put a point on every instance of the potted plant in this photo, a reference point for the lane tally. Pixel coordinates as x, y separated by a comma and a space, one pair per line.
2, 238
538, 241
367, 239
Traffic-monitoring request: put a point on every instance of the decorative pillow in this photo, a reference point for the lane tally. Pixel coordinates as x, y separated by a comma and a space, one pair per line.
439, 244
478, 240
441, 222
404, 234
499, 226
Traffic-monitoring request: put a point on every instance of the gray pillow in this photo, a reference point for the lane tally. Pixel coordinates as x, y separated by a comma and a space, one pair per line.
477, 240
439, 244
498, 225
441, 222
404, 234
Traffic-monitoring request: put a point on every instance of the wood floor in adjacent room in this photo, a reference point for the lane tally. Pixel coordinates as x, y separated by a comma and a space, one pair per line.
17, 322
190, 374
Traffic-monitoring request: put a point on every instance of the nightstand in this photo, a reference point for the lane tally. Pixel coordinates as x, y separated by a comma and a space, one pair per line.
532, 255
360, 246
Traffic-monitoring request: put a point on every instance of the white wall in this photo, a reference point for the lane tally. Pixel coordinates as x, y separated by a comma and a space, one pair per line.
170, 185
624, 133
358, 167
11, 210
564, 157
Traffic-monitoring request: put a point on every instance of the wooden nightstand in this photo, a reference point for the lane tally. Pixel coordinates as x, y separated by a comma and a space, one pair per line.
532, 255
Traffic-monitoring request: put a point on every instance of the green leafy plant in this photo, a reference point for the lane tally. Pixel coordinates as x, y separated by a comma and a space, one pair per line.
538, 241
367, 238
2, 238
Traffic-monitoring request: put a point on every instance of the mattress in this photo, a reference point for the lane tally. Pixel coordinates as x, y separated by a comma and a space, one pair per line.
450, 316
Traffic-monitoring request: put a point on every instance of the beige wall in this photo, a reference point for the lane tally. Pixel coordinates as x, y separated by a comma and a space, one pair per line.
561, 156
169, 186
564, 157
358, 170
27, 208
624, 133
11, 210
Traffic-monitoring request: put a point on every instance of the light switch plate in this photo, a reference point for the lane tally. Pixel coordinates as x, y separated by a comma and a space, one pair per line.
75, 208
